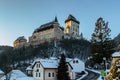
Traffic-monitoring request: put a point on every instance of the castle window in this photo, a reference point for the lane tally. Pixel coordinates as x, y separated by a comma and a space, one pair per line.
34, 37
68, 29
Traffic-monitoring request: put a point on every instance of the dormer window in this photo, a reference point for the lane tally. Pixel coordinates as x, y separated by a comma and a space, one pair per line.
76, 61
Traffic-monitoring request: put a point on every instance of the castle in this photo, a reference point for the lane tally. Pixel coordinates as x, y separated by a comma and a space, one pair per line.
51, 31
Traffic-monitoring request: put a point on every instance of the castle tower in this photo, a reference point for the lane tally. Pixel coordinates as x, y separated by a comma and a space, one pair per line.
72, 26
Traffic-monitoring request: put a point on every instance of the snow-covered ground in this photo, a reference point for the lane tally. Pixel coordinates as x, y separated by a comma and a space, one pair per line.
17, 75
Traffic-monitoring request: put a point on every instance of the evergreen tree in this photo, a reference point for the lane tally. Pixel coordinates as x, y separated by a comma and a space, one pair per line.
101, 43
63, 69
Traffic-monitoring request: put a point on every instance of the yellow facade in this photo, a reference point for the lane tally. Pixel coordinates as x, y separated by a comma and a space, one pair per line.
113, 68
72, 26
19, 42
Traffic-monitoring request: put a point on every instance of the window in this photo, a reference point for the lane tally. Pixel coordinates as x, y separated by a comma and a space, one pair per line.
38, 65
39, 74
76, 61
37, 70
49, 75
36, 74
52, 74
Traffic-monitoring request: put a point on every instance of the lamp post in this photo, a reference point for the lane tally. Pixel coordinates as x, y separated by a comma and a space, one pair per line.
105, 64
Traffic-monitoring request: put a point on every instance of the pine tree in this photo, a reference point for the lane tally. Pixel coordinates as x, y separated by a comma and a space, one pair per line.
101, 43
63, 69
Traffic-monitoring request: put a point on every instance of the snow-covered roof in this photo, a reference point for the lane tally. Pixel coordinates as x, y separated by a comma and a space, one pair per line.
77, 65
25, 78
47, 63
1, 72
116, 54
29, 68
15, 74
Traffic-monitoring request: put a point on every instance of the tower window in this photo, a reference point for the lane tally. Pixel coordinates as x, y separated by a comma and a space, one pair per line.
67, 29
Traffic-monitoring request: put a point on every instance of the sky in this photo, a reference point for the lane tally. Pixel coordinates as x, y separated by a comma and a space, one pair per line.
22, 17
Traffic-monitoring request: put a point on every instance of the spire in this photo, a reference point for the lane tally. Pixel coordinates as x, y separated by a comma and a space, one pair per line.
56, 20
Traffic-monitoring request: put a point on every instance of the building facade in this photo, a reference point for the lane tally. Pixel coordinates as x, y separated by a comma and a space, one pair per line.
52, 31
47, 32
72, 27
46, 69
20, 42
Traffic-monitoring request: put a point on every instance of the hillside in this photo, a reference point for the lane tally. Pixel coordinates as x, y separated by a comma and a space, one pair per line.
4, 48
72, 48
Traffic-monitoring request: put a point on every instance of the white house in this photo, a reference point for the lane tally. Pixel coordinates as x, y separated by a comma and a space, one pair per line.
16, 75
78, 65
46, 69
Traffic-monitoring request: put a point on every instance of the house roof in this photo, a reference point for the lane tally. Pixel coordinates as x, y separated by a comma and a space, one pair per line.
21, 38
29, 68
70, 17
53, 63
116, 54
15, 74
47, 63
48, 26
77, 65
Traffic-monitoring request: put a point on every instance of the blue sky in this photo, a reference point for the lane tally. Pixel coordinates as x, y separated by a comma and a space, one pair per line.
21, 17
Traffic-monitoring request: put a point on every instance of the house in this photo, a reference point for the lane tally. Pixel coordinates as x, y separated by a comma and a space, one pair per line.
1, 73
46, 69
16, 75
78, 65
29, 71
